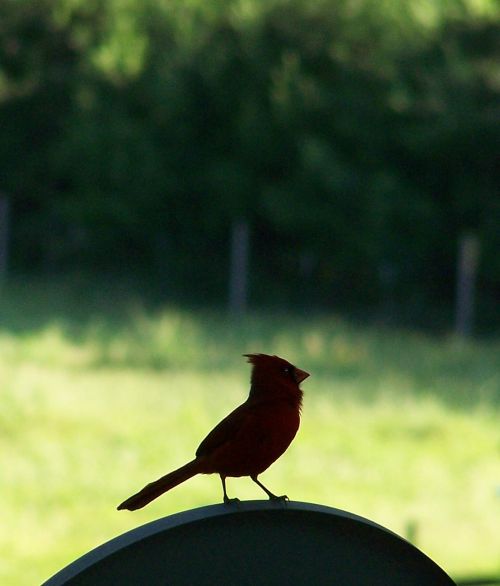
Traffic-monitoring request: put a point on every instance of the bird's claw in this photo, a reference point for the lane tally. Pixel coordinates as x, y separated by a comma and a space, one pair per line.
283, 498
228, 501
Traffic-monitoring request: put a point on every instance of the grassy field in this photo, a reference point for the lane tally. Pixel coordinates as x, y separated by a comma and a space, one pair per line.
101, 395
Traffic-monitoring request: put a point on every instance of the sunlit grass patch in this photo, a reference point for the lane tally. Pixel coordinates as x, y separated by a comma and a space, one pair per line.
397, 426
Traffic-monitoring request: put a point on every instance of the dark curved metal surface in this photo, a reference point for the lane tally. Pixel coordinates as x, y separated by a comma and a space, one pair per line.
256, 542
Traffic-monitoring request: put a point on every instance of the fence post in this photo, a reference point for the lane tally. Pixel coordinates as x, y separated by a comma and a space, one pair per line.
4, 237
468, 256
238, 276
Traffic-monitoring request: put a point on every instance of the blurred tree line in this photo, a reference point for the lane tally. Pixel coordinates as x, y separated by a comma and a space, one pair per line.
356, 137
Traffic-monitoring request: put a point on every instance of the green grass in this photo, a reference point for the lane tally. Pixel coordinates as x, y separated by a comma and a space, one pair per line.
101, 395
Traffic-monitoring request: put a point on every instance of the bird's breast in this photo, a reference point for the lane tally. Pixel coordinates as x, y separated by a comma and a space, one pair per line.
262, 438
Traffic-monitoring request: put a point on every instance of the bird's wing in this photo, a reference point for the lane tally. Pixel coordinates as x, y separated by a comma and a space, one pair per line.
225, 431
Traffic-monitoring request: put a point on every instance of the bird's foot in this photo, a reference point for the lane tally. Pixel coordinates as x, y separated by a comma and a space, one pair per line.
283, 498
228, 501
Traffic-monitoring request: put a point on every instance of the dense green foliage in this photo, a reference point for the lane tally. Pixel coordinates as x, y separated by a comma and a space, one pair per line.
356, 138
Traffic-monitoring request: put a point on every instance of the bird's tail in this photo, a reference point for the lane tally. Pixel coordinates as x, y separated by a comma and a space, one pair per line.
158, 487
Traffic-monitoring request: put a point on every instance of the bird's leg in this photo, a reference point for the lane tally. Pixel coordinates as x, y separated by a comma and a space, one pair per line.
272, 496
227, 500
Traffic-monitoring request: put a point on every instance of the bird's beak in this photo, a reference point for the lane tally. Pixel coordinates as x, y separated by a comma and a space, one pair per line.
300, 375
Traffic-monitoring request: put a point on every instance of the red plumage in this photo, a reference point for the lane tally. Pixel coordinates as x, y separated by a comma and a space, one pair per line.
250, 438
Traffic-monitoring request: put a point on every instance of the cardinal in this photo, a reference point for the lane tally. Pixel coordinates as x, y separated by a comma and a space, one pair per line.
249, 439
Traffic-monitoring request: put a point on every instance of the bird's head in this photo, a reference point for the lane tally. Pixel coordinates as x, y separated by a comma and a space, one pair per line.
273, 372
